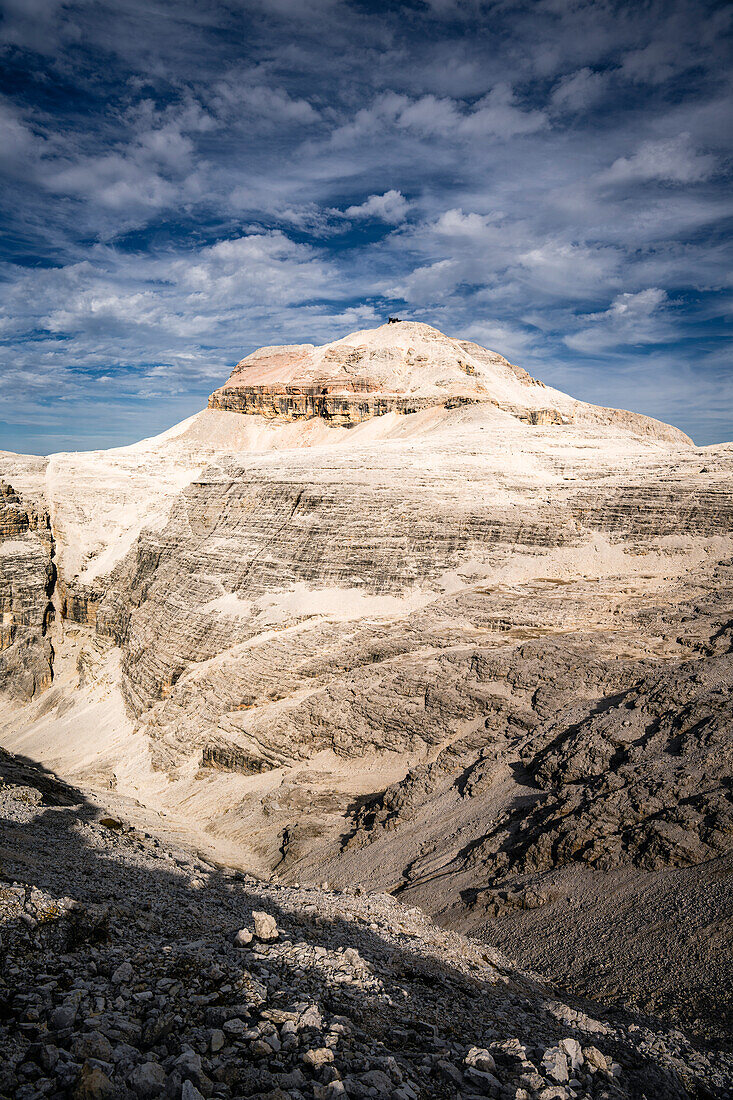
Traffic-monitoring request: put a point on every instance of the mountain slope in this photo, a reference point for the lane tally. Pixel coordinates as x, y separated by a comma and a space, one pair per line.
133, 967
368, 627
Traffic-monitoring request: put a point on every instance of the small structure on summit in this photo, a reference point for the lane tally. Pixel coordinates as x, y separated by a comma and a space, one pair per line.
393, 320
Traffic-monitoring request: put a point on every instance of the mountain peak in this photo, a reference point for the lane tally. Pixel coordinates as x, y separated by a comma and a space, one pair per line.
403, 368
400, 367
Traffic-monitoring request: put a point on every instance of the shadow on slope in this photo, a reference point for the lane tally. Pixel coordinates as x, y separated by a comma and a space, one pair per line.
83, 893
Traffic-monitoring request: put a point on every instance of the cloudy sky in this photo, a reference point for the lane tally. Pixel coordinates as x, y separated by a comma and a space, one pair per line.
187, 180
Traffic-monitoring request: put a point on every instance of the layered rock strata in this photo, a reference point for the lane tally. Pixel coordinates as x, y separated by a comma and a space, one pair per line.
593, 798
402, 648
27, 580
403, 370
302, 402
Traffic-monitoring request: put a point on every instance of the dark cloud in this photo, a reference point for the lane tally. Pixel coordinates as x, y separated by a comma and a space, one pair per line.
188, 179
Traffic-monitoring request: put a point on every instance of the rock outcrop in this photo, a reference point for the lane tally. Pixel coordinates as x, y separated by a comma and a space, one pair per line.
27, 580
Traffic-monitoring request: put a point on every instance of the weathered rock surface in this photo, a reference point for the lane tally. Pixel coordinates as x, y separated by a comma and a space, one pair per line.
403, 369
595, 808
415, 621
121, 978
27, 579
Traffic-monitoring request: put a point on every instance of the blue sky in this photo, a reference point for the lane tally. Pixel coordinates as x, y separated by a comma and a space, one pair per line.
186, 180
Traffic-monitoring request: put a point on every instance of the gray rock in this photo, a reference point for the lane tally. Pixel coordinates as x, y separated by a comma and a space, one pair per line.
63, 1017
190, 1092
123, 974
93, 1045
379, 1081
235, 1026
480, 1058
556, 1064
449, 1073
425, 1017
574, 1052
93, 1084
188, 1065
483, 1077
595, 1057
265, 926
320, 1056
147, 1079
310, 1017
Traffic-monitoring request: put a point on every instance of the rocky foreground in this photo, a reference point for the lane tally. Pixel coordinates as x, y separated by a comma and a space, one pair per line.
134, 968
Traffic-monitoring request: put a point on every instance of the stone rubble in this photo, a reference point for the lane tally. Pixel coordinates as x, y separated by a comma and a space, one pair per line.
126, 975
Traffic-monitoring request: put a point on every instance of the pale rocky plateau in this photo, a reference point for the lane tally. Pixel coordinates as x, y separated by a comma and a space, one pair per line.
394, 616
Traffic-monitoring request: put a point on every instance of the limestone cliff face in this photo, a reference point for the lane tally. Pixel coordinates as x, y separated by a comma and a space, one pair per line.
368, 526
302, 402
27, 578
371, 479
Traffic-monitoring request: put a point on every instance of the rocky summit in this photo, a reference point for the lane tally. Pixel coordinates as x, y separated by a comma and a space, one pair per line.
393, 615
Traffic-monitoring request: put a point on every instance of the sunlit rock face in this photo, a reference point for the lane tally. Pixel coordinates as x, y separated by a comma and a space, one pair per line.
379, 613
401, 368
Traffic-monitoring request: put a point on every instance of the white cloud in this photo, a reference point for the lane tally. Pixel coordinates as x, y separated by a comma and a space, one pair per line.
563, 268
390, 207
673, 160
657, 61
115, 181
21, 147
631, 319
579, 90
641, 304
429, 115
259, 104
500, 115
258, 268
506, 339
153, 168
430, 283
497, 114
454, 224
508, 256
154, 314
167, 146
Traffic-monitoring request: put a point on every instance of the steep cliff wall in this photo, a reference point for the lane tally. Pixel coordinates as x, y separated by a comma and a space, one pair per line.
27, 579
303, 402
